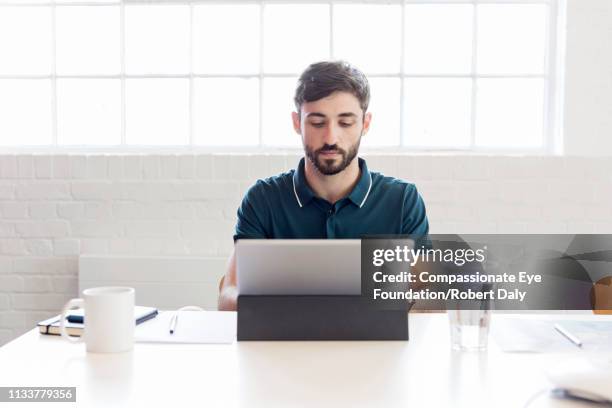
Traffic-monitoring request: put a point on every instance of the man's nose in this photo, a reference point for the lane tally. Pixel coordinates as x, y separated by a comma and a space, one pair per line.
331, 133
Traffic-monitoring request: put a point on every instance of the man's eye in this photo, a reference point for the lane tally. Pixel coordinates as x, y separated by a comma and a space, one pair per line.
344, 124
318, 124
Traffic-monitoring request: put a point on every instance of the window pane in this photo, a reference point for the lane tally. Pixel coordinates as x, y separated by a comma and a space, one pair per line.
277, 107
437, 112
88, 40
510, 113
295, 36
157, 111
368, 36
89, 111
227, 112
25, 109
238, 26
25, 45
149, 49
512, 38
385, 109
438, 38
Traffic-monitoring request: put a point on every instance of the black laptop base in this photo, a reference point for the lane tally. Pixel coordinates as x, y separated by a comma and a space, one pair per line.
308, 317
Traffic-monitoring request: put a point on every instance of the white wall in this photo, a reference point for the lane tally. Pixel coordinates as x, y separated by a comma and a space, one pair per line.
53, 208
588, 78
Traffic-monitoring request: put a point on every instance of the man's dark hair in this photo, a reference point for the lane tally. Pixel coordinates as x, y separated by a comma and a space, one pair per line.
322, 79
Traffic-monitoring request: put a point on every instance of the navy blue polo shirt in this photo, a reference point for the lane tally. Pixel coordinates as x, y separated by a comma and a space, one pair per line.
284, 206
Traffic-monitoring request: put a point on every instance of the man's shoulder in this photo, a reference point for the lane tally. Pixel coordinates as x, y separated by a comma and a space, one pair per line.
390, 184
270, 185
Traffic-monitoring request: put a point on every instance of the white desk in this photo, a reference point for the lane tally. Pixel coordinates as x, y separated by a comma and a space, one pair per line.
423, 372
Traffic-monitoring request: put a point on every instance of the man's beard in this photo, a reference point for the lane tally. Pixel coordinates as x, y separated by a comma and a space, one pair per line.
329, 167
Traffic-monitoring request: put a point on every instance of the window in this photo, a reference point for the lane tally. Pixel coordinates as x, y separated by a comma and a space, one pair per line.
445, 74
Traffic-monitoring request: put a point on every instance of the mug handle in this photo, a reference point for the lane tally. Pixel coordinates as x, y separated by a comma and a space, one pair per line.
72, 303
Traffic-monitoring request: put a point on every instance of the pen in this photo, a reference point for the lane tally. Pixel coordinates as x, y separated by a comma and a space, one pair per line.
173, 321
174, 318
568, 335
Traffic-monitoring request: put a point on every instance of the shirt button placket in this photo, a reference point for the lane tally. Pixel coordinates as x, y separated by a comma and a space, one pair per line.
330, 223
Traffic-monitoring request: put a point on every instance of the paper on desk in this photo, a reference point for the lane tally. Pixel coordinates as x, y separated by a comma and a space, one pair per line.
514, 334
191, 327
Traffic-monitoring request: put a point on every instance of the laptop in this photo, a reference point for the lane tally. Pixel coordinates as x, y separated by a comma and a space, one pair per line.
298, 266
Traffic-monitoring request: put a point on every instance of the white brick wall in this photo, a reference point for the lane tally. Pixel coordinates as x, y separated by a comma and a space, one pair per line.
53, 208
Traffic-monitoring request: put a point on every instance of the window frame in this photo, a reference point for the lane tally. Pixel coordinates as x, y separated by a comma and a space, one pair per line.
553, 78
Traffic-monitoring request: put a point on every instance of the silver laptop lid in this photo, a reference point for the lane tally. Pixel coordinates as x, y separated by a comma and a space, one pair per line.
298, 266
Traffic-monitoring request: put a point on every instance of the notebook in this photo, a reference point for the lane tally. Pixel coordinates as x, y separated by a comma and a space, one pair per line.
191, 328
75, 325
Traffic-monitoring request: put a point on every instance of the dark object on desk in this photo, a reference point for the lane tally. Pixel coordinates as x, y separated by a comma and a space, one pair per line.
581, 395
74, 327
141, 313
317, 317
52, 326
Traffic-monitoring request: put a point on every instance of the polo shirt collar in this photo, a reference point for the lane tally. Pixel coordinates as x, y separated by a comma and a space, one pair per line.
303, 193
361, 191
359, 195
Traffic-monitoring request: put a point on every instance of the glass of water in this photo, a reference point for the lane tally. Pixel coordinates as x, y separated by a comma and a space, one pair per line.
469, 329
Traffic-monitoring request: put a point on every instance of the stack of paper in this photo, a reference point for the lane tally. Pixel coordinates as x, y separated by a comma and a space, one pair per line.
191, 327
539, 335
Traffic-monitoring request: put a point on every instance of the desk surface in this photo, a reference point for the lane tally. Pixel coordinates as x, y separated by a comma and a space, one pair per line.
423, 372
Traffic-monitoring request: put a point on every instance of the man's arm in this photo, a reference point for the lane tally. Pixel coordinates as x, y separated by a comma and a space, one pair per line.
249, 225
228, 291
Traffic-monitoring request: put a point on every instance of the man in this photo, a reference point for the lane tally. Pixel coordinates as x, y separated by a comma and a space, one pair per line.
331, 194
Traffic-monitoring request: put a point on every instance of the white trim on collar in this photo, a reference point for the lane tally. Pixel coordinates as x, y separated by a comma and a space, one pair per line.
295, 192
368, 193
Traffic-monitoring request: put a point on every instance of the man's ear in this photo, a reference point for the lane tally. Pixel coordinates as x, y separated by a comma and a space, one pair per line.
366, 123
295, 117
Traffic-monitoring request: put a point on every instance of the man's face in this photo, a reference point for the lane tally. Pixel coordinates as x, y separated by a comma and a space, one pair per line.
331, 130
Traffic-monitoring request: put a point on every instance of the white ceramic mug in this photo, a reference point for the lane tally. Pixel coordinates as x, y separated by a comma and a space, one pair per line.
108, 317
